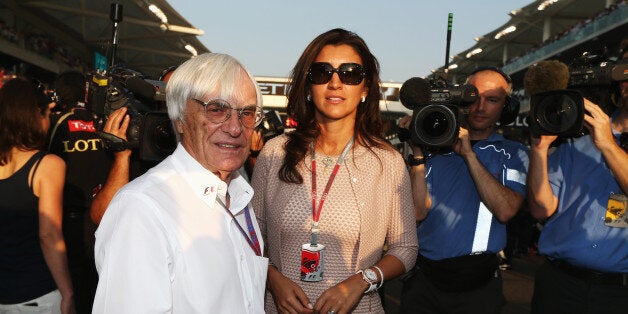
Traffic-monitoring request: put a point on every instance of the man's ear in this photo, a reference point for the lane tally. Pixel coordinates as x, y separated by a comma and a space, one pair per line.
179, 125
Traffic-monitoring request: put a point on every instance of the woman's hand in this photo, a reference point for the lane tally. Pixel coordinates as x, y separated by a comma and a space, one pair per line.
288, 296
343, 297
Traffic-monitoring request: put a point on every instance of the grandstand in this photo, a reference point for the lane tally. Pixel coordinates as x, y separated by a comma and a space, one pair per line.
44, 38
545, 29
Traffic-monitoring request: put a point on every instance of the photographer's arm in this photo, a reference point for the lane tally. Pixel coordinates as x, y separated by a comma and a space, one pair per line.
420, 196
541, 199
117, 124
599, 127
502, 201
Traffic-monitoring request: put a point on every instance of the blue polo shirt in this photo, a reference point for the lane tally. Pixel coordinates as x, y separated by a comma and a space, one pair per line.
458, 223
576, 233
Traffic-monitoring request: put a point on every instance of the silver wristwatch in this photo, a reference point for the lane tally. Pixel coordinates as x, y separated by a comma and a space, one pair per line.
370, 277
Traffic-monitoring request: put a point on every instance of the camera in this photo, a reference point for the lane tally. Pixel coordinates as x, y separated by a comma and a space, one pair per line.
559, 112
437, 110
271, 125
150, 129
557, 104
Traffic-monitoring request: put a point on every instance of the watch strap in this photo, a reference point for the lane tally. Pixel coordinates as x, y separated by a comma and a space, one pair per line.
415, 161
381, 276
372, 285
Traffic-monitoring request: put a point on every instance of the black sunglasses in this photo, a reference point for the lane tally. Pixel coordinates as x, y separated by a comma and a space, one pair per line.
349, 73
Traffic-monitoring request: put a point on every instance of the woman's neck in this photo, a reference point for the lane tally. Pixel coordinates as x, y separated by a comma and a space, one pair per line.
333, 138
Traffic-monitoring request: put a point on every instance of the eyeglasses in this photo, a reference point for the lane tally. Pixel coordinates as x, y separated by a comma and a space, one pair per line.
219, 111
349, 73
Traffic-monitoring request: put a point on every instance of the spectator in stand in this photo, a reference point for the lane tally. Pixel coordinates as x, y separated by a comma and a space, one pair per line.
34, 275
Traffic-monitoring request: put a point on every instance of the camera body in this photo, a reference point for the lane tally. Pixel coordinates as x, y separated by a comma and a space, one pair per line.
150, 129
436, 123
561, 112
271, 125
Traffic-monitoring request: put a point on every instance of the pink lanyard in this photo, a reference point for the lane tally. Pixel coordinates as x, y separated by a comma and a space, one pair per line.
252, 240
316, 213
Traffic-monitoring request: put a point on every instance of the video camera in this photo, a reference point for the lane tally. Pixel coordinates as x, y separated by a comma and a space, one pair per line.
271, 125
556, 110
437, 110
150, 130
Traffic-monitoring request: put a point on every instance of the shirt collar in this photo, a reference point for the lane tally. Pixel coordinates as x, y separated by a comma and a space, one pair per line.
208, 186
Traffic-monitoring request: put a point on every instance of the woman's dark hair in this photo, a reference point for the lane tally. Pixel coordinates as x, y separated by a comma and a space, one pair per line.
22, 106
368, 126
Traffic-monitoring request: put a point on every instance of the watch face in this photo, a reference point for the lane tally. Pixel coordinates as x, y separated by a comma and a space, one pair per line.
370, 274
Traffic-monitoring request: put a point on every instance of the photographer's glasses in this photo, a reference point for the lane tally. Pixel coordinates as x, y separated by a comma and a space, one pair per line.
45, 96
349, 73
219, 111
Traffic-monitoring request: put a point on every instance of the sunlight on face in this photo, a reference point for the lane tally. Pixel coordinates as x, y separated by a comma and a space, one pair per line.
220, 147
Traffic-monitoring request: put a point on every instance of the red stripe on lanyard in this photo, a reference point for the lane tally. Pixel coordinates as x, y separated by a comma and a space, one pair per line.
316, 213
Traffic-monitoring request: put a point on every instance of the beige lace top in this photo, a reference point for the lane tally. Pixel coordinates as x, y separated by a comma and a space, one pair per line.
368, 208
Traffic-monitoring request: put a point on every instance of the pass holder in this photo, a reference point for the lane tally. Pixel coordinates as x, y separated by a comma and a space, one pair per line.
312, 262
616, 211
313, 253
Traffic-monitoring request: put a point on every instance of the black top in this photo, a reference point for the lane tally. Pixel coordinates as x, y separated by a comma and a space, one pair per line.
24, 274
73, 137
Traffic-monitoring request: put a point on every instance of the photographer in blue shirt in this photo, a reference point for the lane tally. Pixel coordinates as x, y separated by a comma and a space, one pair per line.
579, 190
463, 200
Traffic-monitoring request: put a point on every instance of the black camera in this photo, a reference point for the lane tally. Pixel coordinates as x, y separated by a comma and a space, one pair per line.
150, 129
271, 126
555, 110
592, 69
559, 112
437, 110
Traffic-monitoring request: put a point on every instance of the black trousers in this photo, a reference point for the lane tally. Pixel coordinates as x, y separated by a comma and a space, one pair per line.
419, 295
558, 292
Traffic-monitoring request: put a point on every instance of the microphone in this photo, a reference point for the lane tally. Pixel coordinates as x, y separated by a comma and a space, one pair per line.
545, 76
415, 91
138, 86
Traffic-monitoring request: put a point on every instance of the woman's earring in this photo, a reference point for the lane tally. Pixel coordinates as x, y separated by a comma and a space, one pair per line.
363, 99
308, 97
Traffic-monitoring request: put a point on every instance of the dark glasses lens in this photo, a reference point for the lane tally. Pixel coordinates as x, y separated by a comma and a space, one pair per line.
349, 73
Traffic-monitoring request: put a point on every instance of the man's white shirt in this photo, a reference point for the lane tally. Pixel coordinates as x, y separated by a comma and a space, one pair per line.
166, 245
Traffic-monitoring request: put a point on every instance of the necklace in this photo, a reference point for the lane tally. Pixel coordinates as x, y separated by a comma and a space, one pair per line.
327, 161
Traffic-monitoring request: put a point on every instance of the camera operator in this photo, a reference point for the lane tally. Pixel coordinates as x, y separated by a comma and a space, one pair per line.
119, 173
578, 189
124, 165
73, 137
463, 200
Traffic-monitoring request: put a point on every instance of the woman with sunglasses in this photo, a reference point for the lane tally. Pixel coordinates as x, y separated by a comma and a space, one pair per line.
34, 272
332, 194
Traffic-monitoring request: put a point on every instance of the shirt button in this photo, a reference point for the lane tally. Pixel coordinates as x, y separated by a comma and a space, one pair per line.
595, 246
354, 180
242, 257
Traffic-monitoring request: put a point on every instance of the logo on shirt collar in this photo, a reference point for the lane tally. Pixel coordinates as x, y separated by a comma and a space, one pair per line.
209, 189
